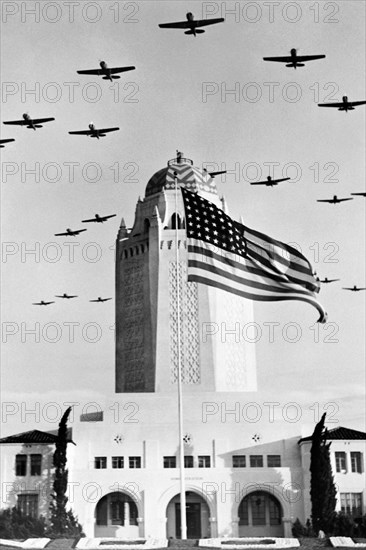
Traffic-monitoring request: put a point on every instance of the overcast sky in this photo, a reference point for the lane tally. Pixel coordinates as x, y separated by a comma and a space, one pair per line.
215, 99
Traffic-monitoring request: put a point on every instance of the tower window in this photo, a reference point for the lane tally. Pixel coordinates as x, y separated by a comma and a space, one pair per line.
239, 461
204, 461
100, 462
341, 462
188, 461
21, 465
170, 462
134, 461
274, 461
28, 505
256, 461
356, 462
35, 465
176, 222
117, 462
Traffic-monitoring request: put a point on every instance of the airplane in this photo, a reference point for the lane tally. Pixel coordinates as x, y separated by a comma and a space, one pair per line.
70, 233
270, 182
359, 194
324, 281
99, 219
353, 288
29, 122
109, 74
93, 132
335, 200
42, 303
344, 106
64, 295
294, 60
101, 299
213, 174
192, 24
5, 141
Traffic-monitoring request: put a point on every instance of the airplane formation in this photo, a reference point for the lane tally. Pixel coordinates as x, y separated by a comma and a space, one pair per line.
66, 296
193, 27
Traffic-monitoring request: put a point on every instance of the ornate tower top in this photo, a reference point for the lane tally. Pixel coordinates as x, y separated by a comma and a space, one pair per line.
193, 178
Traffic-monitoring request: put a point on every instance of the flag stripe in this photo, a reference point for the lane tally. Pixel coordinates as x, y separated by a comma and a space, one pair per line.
198, 251
257, 297
225, 254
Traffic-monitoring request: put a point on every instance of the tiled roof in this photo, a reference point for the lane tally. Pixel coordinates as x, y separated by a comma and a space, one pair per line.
340, 433
192, 178
33, 436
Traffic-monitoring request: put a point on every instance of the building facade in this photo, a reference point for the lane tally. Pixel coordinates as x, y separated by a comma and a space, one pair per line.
242, 478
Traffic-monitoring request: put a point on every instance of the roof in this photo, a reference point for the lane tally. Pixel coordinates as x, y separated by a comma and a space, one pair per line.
34, 436
194, 179
339, 433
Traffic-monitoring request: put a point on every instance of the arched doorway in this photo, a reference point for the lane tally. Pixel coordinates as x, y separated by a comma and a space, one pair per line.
116, 515
197, 513
260, 514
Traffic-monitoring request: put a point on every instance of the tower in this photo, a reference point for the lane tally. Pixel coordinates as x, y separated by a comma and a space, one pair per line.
215, 353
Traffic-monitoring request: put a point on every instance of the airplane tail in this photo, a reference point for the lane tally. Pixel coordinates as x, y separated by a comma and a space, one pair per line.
38, 126
194, 31
115, 76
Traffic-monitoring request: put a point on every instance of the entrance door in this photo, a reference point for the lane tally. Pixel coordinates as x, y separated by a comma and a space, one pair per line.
193, 514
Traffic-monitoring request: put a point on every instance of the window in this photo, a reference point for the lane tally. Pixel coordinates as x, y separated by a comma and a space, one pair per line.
239, 461
117, 462
21, 465
341, 464
259, 508
274, 461
100, 462
28, 505
356, 462
351, 504
134, 461
256, 461
188, 461
204, 461
170, 462
35, 465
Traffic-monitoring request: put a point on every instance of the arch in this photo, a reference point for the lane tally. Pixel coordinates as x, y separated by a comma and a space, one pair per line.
117, 514
198, 514
176, 221
260, 513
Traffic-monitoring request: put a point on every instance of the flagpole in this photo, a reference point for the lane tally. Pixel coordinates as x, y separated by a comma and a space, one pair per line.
183, 520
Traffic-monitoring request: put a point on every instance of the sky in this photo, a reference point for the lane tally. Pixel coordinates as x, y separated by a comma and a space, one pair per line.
215, 99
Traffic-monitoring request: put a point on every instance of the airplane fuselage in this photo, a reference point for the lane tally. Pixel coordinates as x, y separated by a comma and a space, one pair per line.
346, 106
294, 62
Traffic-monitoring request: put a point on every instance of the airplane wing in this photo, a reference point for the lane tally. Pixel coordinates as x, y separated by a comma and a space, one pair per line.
61, 234
359, 194
348, 199
354, 103
115, 70
205, 22
17, 122
213, 174
178, 25
91, 220
6, 140
286, 59
259, 182
106, 130
79, 231
107, 217
91, 71
282, 179
330, 105
308, 57
81, 132
41, 120
325, 200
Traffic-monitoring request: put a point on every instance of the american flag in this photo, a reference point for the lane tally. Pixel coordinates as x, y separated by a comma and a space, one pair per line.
226, 254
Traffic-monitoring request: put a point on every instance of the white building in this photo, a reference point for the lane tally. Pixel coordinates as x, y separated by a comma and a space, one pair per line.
123, 471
